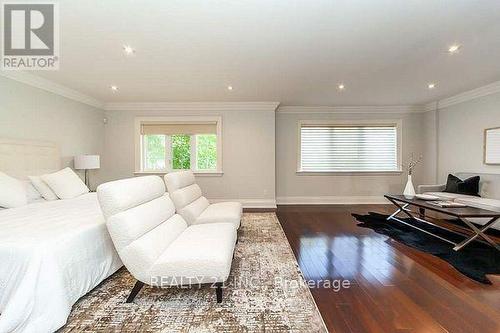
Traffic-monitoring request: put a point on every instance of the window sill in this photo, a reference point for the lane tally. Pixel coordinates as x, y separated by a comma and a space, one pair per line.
196, 173
347, 173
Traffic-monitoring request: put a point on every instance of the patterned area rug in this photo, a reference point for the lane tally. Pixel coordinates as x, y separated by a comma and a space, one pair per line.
265, 293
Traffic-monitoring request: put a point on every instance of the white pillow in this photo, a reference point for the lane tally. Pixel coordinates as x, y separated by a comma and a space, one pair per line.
42, 188
31, 192
12, 193
65, 183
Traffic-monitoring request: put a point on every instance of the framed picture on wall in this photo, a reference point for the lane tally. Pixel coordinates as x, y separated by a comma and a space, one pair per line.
492, 145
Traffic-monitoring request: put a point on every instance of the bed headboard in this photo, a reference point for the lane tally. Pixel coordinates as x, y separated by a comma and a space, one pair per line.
21, 158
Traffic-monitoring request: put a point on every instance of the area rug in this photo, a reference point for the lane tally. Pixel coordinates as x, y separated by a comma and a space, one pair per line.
265, 293
476, 260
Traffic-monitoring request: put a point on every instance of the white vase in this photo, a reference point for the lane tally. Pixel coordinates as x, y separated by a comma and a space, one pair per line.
409, 191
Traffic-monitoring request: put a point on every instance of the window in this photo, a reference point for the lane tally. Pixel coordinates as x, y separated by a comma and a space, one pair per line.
174, 145
154, 152
348, 148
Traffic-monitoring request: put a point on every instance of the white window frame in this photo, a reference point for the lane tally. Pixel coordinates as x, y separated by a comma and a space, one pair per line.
139, 151
398, 123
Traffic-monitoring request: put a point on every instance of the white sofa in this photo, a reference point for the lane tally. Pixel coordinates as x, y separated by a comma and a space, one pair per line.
194, 207
489, 186
156, 245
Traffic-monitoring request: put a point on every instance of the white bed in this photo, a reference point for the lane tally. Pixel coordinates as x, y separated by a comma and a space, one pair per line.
51, 253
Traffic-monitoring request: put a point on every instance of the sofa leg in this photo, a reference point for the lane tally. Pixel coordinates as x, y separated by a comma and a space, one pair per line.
218, 292
137, 287
421, 212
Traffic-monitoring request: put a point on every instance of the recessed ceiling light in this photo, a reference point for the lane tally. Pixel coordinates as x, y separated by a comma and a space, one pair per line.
128, 50
229, 87
114, 88
431, 85
454, 48
341, 86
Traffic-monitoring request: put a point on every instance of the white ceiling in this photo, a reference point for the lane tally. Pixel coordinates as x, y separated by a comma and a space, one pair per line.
292, 51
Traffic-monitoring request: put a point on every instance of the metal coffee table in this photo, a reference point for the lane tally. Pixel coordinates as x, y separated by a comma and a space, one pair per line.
461, 213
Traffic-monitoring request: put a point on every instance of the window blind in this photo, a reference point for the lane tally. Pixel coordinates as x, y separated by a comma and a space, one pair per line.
174, 128
492, 146
348, 148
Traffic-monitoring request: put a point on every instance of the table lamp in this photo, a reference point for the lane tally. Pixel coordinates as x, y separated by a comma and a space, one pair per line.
87, 162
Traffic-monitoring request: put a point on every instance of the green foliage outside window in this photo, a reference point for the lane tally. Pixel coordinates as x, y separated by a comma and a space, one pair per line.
206, 151
155, 152
181, 152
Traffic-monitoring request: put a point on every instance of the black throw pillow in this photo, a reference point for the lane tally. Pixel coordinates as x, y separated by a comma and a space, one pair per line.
469, 186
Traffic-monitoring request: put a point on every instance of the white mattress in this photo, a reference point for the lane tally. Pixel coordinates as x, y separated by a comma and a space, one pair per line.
51, 254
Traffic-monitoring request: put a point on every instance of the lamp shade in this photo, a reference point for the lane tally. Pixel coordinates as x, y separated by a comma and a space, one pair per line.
86, 162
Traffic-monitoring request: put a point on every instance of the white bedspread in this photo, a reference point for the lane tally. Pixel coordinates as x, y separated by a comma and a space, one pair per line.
51, 254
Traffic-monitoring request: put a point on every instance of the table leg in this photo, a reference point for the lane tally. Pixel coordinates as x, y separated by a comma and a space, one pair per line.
478, 232
408, 212
399, 210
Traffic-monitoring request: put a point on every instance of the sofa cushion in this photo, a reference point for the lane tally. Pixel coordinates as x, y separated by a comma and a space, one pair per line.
484, 203
140, 255
201, 254
184, 196
125, 227
193, 210
194, 207
124, 194
222, 212
179, 179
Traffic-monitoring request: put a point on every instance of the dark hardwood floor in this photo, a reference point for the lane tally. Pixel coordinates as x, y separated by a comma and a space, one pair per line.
393, 288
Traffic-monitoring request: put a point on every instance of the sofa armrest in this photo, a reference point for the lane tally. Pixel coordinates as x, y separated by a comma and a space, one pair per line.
431, 188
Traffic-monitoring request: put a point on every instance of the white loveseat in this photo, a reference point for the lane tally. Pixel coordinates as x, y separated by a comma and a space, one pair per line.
156, 245
194, 207
489, 188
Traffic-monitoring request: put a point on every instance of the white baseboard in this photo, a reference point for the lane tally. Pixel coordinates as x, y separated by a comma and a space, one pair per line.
332, 200
250, 203
320, 200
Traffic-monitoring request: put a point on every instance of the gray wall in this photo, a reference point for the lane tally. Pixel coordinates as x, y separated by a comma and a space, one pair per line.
248, 154
33, 114
461, 129
429, 138
255, 166
357, 187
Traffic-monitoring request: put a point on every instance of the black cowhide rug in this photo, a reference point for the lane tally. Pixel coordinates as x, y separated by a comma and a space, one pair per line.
475, 260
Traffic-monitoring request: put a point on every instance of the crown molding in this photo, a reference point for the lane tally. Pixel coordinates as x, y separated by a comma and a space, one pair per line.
196, 106
55, 88
486, 90
432, 106
390, 109
465, 96
50, 86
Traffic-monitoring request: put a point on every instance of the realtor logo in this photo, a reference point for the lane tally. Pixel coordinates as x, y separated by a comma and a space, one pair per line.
30, 34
